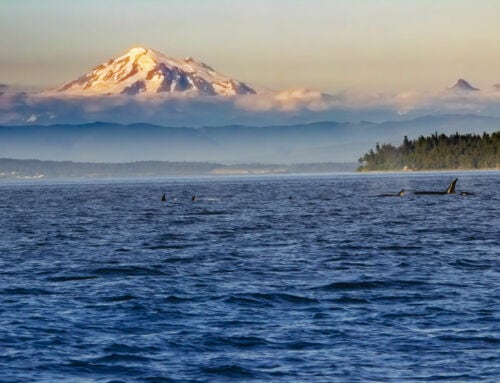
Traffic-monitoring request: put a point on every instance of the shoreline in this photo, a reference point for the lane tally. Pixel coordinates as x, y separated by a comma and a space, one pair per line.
429, 170
216, 177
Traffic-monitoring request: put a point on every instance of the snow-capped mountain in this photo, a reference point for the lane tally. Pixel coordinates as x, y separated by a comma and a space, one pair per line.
146, 71
462, 85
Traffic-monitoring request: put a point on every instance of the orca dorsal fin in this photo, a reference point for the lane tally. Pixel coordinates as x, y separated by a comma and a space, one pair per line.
451, 187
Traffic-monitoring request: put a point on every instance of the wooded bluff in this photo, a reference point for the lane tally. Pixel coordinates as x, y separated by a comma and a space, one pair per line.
439, 151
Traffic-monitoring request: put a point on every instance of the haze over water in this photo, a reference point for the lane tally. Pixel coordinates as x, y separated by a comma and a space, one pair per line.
102, 282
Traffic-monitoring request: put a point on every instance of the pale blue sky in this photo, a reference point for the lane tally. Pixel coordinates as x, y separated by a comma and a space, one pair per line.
322, 44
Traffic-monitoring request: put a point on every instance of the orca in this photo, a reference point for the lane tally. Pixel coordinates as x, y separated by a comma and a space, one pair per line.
163, 198
400, 194
449, 190
193, 198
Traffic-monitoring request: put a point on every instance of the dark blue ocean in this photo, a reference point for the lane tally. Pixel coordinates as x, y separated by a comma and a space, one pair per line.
100, 281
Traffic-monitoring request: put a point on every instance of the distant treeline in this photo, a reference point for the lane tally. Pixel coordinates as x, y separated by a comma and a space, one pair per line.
439, 151
14, 168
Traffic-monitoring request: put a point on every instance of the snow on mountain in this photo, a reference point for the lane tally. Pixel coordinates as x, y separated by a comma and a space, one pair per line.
462, 85
146, 71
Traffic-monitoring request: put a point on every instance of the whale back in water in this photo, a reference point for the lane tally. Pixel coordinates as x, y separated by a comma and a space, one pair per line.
399, 194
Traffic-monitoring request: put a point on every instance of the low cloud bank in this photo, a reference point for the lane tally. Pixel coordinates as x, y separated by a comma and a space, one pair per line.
291, 106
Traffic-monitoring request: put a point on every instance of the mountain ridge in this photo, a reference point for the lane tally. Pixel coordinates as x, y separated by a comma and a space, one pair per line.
289, 143
424, 119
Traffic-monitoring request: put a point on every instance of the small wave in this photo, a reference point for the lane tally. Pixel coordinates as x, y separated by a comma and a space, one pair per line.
302, 345
282, 297
235, 341
71, 278
166, 247
173, 246
351, 286
212, 213
25, 291
230, 371
176, 299
472, 264
351, 300
205, 212
90, 366
467, 339
222, 233
247, 301
123, 250
159, 379
172, 237
258, 227
405, 297
120, 298
369, 285
322, 316
400, 248
448, 378
120, 357
121, 348
187, 259
269, 298
127, 271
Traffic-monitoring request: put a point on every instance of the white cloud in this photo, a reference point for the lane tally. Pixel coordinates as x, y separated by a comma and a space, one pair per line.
290, 106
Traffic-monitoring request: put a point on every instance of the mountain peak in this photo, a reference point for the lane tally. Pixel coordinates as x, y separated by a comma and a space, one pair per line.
144, 70
462, 85
137, 50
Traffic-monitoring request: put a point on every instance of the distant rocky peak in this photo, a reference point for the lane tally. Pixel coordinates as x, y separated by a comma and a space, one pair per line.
462, 85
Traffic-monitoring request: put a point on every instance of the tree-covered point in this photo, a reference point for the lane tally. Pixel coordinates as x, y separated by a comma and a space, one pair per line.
457, 151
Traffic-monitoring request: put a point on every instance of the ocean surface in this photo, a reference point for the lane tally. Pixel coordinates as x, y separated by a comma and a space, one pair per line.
259, 279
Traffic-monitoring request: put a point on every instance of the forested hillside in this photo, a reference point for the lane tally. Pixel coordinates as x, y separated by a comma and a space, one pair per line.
457, 151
